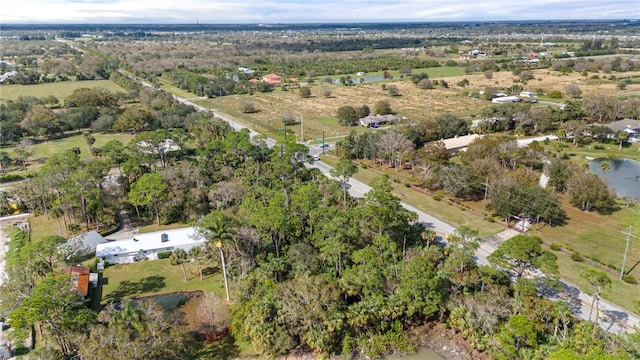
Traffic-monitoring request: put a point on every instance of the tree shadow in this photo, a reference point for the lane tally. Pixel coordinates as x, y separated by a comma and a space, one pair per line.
225, 348
210, 271
131, 288
614, 317
562, 291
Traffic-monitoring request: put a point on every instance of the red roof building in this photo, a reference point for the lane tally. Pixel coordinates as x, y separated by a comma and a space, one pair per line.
79, 276
272, 79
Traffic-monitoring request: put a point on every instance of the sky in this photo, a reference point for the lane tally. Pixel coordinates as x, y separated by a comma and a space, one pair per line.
308, 11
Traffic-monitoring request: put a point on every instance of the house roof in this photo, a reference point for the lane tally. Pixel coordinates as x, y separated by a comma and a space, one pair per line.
460, 141
85, 243
272, 76
79, 278
371, 119
624, 124
151, 241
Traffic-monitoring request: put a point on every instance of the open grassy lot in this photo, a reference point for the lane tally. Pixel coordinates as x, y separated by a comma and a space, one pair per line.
598, 236
61, 90
621, 293
415, 104
41, 226
155, 277
610, 151
43, 150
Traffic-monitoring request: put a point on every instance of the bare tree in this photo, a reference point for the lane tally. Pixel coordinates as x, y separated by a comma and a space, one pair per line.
605, 108
393, 145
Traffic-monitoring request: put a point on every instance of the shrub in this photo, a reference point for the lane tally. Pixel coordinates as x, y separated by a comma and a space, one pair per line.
164, 254
407, 185
364, 166
11, 177
630, 279
425, 84
247, 107
491, 219
556, 247
437, 197
577, 257
555, 94
305, 92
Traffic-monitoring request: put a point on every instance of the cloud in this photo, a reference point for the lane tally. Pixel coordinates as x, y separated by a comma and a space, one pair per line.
296, 11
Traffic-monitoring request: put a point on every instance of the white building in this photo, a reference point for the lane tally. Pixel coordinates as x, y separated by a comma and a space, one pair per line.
505, 99
148, 245
529, 94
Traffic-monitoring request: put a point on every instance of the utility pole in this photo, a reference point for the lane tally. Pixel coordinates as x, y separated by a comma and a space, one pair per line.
484, 202
322, 142
626, 250
397, 161
301, 128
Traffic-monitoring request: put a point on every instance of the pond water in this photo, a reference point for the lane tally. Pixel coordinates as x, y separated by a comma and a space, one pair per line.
623, 175
366, 79
423, 353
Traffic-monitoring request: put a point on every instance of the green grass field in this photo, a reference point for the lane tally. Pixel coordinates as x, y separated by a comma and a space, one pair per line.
156, 277
433, 72
43, 150
61, 90
621, 293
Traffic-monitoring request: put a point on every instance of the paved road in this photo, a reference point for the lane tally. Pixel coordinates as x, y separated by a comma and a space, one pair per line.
614, 318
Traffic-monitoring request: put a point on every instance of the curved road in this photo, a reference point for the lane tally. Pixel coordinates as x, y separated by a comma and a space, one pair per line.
612, 319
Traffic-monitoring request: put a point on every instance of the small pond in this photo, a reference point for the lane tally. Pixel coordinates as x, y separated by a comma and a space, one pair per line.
366, 79
623, 175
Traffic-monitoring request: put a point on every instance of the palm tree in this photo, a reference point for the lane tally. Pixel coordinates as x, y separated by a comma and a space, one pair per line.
622, 136
219, 227
130, 316
179, 257
605, 166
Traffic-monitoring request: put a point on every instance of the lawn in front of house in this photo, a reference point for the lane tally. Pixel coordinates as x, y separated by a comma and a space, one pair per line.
154, 277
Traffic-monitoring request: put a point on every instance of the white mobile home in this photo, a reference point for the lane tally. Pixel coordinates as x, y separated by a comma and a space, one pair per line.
149, 245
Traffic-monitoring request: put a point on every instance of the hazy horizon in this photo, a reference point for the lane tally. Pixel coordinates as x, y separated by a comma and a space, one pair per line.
42, 12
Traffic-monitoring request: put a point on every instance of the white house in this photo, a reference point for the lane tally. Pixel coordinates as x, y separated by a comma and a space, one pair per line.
148, 245
630, 126
375, 121
529, 94
505, 99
